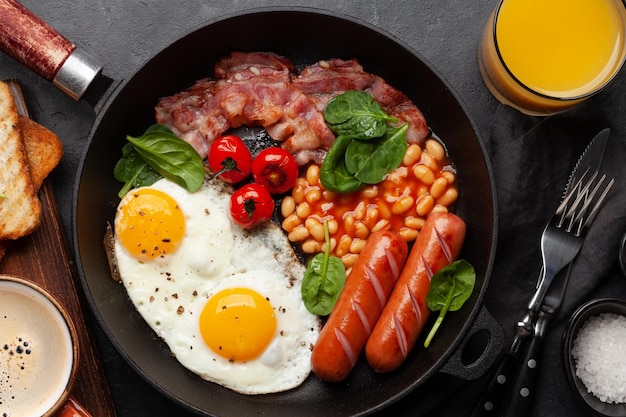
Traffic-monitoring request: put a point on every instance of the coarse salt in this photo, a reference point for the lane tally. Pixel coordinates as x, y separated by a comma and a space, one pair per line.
599, 355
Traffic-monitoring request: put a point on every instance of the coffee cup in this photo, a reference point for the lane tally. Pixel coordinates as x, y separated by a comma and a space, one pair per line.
39, 352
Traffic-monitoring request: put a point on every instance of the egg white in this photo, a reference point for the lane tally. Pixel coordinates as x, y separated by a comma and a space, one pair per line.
169, 292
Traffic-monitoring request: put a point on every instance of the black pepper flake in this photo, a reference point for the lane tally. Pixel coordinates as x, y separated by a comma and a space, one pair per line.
195, 293
180, 310
175, 295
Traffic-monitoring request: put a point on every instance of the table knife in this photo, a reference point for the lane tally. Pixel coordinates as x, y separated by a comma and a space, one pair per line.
496, 395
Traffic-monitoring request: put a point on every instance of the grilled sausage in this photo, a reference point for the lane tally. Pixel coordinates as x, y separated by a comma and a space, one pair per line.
401, 321
359, 305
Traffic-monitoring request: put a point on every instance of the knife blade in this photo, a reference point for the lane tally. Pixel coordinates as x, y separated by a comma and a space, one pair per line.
518, 367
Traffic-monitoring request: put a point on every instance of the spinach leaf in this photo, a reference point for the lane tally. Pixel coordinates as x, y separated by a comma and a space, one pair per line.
357, 114
371, 160
323, 280
170, 156
367, 147
133, 171
450, 288
334, 175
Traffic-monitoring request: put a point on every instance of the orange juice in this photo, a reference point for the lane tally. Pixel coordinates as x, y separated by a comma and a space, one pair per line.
543, 56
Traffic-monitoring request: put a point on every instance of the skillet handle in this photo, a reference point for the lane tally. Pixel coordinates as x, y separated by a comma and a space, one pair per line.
45, 51
478, 350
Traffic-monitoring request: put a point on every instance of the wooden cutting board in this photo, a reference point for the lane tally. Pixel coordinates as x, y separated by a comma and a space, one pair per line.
43, 257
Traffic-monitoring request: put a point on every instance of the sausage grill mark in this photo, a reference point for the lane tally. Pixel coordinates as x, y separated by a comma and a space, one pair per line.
401, 336
447, 251
396, 269
362, 316
346, 345
377, 285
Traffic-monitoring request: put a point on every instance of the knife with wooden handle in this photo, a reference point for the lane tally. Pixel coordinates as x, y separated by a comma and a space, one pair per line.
31, 41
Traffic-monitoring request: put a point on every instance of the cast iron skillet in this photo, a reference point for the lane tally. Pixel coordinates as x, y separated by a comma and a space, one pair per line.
305, 36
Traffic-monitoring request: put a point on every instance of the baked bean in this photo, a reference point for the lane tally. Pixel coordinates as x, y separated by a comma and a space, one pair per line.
439, 209
343, 246
298, 234
435, 149
425, 204
449, 176
291, 222
360, 230
414, 223
381, 225
349, 259
424, 174
408, 234
412, 155
298, 190
316, 229
311, 246
384, 210
422, 190
428, 160
313, 195
371, 191
403, 205
303, 210
288, 206
333, 226
360, 211
313, 174
373, 213
333, 245
329, 195
439, 187
448, 197
348, 224
357, 245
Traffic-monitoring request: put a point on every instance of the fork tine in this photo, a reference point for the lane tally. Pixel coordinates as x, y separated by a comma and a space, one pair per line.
575, 215
599, 202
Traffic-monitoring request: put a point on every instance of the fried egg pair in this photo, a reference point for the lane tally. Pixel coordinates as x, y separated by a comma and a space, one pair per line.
226, 300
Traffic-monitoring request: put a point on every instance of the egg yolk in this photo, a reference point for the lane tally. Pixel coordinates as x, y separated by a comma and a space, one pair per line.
238, 323
149, 224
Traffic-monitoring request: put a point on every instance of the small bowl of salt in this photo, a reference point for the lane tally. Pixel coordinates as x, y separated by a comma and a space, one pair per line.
594, 347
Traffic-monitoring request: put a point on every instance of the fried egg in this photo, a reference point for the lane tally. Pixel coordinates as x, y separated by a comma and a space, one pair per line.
226, 300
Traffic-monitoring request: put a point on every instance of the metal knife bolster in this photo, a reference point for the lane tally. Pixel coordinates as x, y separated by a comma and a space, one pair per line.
77, 73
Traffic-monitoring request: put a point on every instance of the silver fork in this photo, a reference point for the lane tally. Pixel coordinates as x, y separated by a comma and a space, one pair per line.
563, 236
561, 241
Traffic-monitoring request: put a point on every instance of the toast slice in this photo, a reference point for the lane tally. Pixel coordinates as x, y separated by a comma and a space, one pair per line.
20, 208
44, 149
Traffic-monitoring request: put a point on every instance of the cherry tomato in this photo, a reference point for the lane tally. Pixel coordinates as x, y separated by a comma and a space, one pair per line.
276, 169
250, 205
230, 159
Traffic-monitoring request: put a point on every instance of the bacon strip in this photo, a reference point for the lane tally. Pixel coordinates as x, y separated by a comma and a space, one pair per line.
264, 89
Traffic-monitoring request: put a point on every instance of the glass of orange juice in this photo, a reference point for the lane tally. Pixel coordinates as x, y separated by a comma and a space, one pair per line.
544, 56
